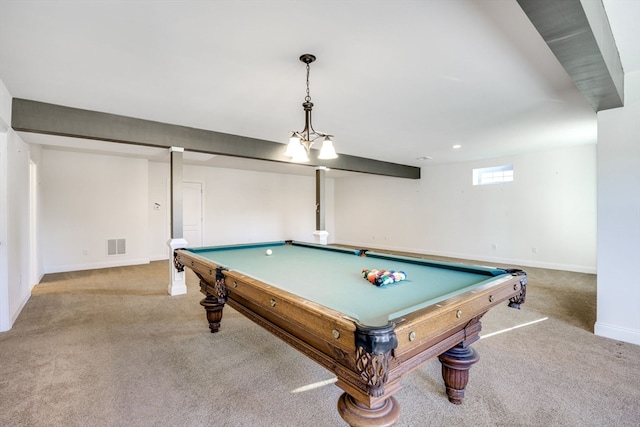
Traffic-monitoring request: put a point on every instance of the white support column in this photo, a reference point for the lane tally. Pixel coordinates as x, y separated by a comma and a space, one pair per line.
618, 282
320, 235
177, 281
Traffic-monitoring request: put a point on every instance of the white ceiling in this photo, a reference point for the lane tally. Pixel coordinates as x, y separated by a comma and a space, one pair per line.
394, 80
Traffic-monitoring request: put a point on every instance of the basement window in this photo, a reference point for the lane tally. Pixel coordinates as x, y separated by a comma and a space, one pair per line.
493, 175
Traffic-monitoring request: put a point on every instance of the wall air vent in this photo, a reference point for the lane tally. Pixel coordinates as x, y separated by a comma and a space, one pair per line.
116, 247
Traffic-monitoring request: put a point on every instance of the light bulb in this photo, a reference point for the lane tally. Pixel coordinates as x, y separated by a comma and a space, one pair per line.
327, 151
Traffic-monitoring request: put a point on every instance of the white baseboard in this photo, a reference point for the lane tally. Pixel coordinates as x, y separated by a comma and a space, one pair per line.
95, 265
14, 316
495, 261
512, 262
618, 333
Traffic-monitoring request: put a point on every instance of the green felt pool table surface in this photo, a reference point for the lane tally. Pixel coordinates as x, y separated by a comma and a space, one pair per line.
332, 277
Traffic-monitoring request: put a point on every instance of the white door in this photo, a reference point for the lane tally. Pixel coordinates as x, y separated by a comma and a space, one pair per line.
192, 213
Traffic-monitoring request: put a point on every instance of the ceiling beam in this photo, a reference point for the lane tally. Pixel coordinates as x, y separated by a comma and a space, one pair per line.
579, 35
51, 119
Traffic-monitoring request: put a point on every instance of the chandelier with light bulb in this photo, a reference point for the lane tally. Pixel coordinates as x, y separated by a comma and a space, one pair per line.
300, 143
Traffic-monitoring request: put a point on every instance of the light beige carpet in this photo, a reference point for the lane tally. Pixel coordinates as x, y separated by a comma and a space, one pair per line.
110, 348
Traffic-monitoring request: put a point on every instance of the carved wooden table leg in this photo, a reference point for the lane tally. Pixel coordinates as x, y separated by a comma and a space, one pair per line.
358, 415
214, 312
456, 363
215, 297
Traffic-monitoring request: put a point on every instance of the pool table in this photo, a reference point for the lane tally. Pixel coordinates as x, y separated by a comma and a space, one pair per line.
315, 298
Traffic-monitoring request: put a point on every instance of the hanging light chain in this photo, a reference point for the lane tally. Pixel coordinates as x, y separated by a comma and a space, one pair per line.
308, 97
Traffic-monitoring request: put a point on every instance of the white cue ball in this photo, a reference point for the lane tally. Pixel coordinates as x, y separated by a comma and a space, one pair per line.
269, 252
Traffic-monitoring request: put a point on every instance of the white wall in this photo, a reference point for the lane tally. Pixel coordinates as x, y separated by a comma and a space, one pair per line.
545, 218
5, 318
619, 217
245, 206
18, 216
159, 219
15, 288
87, 199
240, 206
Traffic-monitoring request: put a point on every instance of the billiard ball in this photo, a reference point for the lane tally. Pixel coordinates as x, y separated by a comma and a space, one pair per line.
269, 252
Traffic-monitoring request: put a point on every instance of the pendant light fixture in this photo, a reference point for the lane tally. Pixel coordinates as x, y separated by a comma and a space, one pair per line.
300, 143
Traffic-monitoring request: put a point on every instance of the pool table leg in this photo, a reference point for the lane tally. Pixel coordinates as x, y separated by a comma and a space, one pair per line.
214, 312
456, 363
215, 297
358, 415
